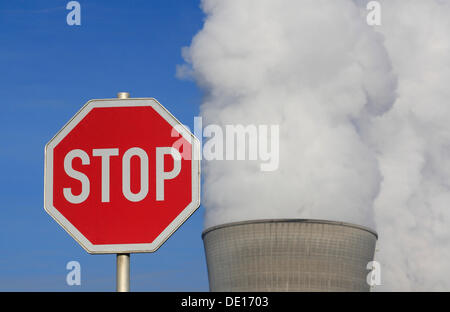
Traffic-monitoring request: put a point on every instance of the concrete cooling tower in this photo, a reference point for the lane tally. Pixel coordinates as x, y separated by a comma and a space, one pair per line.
288, 255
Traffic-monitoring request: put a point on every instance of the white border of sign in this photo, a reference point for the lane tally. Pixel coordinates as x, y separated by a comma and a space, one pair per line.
121, 248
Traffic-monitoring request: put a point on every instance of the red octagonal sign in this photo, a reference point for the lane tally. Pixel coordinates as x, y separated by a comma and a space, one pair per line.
122, 175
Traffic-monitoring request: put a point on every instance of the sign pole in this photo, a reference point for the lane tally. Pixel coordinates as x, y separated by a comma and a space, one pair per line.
123, 273
123, 260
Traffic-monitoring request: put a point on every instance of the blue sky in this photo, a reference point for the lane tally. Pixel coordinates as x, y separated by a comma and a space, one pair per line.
48, 70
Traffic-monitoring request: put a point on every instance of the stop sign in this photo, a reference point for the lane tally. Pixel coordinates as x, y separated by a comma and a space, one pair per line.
122, 175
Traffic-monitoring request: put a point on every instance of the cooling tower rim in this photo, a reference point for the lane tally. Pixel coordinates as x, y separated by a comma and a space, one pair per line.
346, 224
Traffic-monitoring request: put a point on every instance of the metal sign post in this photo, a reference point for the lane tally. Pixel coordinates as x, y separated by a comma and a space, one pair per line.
123, 260
123, 273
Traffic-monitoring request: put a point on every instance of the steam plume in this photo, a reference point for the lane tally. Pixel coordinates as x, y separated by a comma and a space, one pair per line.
412, 211
363, 115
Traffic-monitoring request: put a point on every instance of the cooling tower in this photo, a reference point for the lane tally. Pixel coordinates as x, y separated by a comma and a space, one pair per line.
288, 255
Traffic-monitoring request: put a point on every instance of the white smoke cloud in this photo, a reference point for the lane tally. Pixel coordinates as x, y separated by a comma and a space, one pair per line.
364, 136
412, 212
